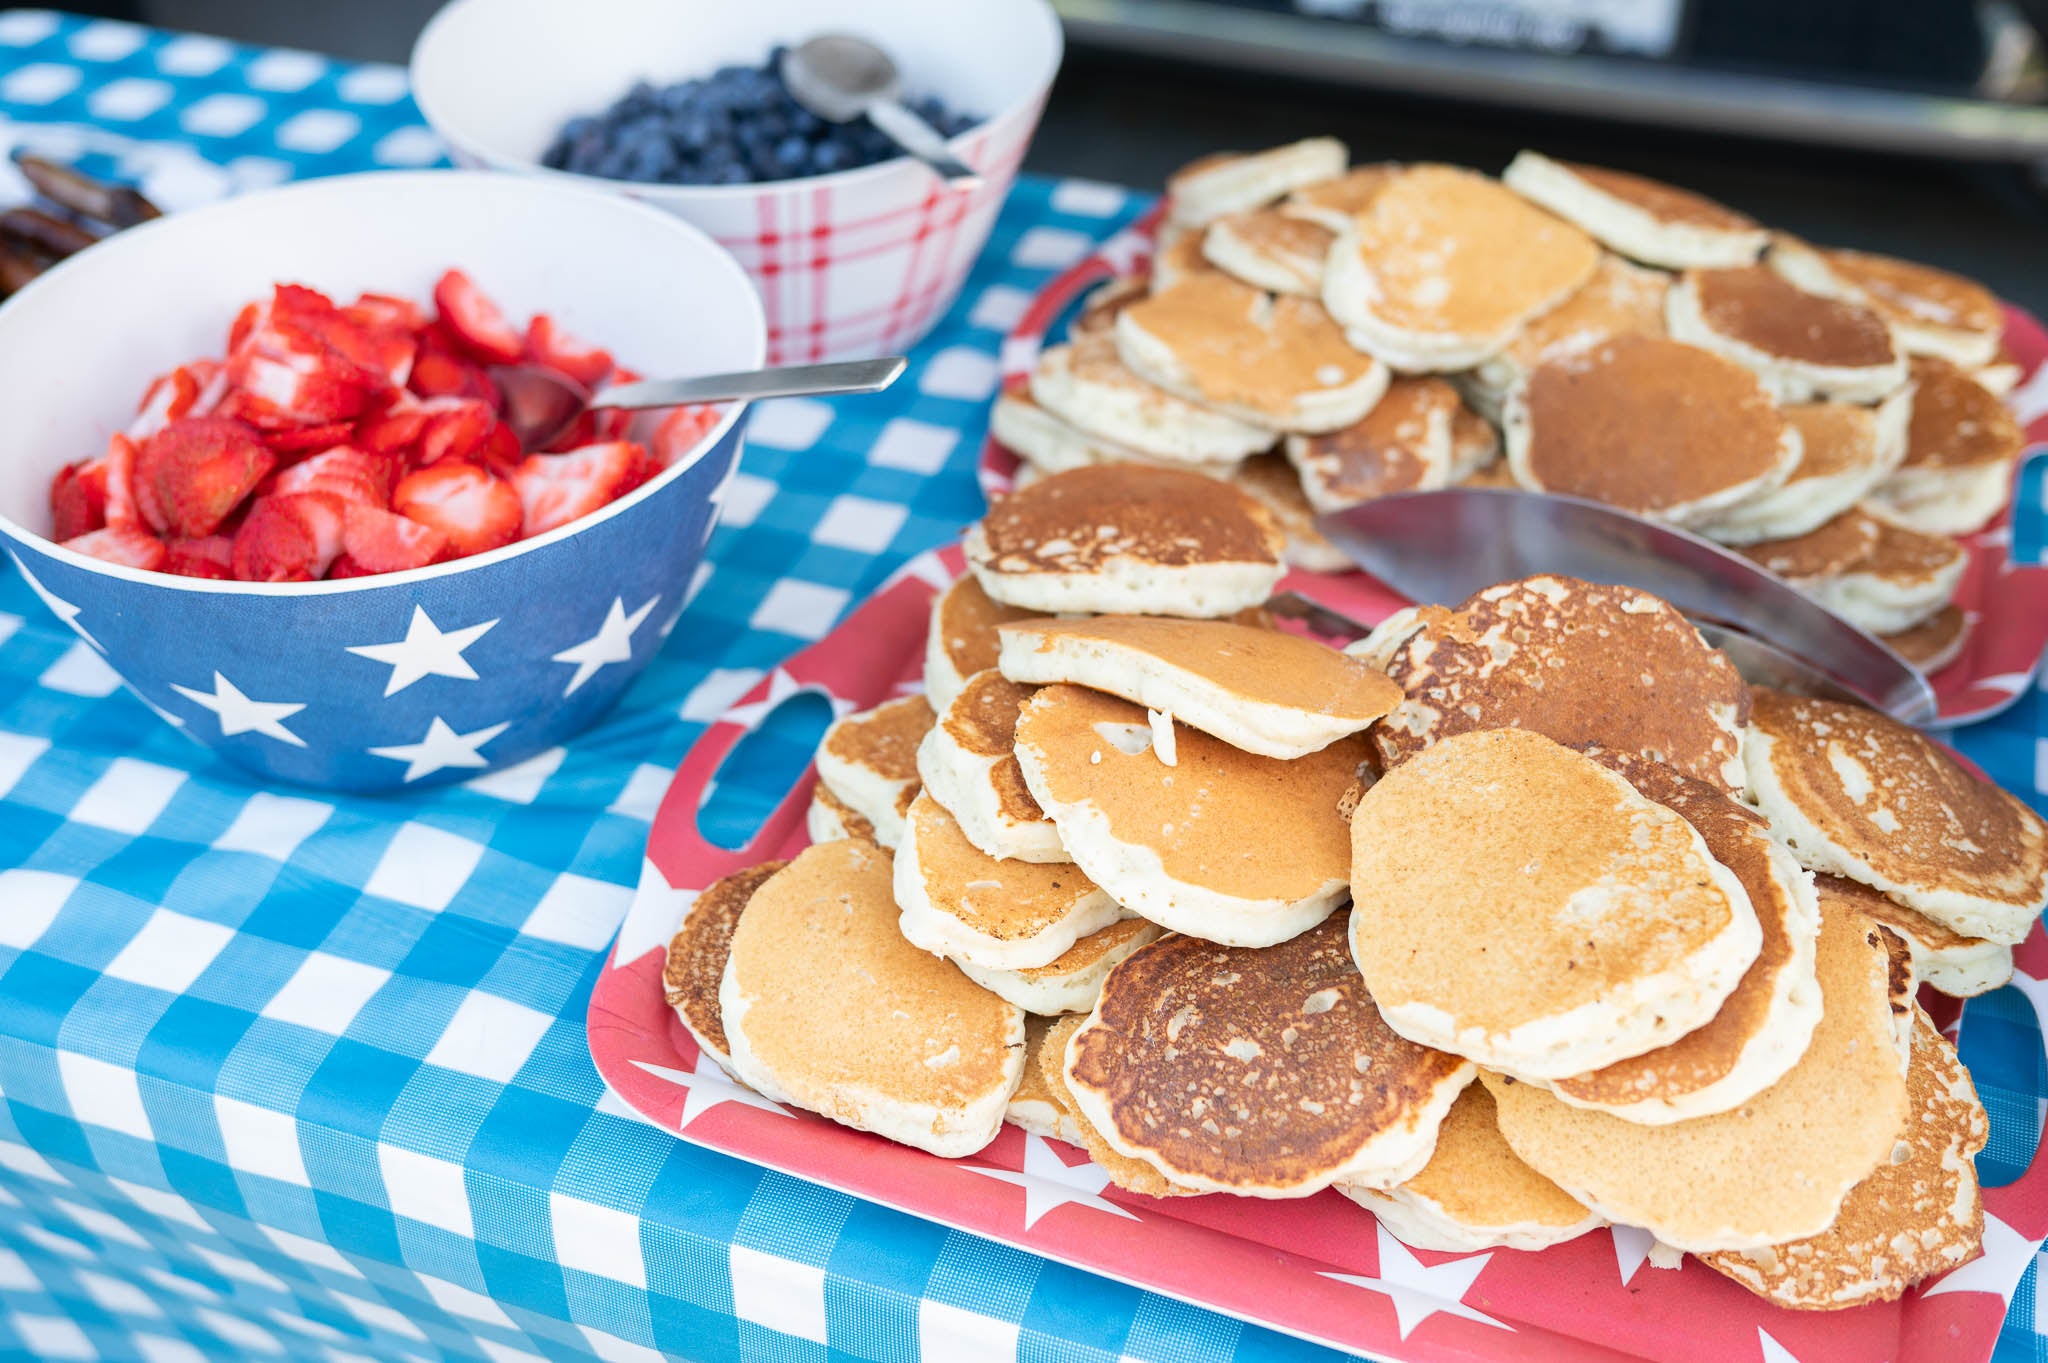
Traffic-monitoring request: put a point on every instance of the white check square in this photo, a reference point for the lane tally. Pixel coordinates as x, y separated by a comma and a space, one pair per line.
642, 794
746, 496
273, 825
960, 372
426, 1189
326, 992
169, 1206
962, 1336
520, 783
425, 867
914, 446
458, 1300
164, 1349
111, 1294
311, 1252
721, 687
596, 1239
860, 523
48, 1337
32, 899
579, 912
489, 1037
103, 1094
780, 1294
18, 753
79, 671
804, 609
128, 797
788, 423
261, 1141
170, 952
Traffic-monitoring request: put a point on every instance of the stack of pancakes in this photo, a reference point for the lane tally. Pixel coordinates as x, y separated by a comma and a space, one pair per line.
1322, 334
1239, 912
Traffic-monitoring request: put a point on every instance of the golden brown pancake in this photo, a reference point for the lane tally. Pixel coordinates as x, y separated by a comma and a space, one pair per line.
1957, 422
1935, 643
1332, 203
1128, 538
1087, 386
1800, 343
1942, 958
1099, 309
1580, 662
1763, 1027
869, 760
697, 953
1619, 298
827, 1007
962, 640
1271, 480
969, 765
1838, 546
1475, 1192
1650, 425
1665, 203
1269, 248
1913, 1217
830, 817
1131, 1175
1519, 904
1446, 265
1859, 794
1929, 306
1190, 846
1233, 182
1266, 1074
1404, 444
1072, 982
1268, 692
1034, 1106
1776, 1168
1277, 362
1179, 258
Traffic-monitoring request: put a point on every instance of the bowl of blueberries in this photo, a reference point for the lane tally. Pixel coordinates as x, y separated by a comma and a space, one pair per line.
856, 248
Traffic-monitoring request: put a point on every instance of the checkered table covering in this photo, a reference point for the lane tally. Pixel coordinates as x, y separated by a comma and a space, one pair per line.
286, 1075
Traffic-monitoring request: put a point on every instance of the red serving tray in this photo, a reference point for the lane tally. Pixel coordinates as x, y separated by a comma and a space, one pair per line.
1319, 1267
2007, 602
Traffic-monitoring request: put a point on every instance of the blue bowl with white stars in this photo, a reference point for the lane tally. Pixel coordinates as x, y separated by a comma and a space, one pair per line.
379, 683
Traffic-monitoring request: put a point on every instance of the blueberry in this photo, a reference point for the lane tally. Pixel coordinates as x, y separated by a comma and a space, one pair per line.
829, 156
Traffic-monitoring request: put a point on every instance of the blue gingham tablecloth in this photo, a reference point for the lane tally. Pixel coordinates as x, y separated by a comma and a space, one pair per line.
284, 1075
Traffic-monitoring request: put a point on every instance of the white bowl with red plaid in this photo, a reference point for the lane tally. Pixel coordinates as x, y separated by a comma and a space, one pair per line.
859, 262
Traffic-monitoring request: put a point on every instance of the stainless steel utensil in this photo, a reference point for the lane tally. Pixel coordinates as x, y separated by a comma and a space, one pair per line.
540, 403
1445, 545
839, 77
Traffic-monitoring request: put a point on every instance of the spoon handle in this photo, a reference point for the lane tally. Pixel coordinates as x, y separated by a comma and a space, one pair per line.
921, 140
789, 381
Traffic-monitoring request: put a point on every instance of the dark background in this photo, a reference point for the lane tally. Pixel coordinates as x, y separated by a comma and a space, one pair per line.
1131, 120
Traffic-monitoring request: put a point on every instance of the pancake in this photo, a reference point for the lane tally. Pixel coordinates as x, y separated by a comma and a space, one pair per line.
1815, 559
1033, 1106
1446, 265
1475, 444
1764, 1026
1178, 255
869, 760
1619, 298
1999, 377
1333, 203
930, 1058
1086, 384
1262, 690
1802, 345
1775, 1169
1475, 1193
968, 764
1845, 451
1643, 219
1961, 447
1857, 794
1049, 443
1918, 1214
1190, 846
1935, 642
1404, 444
1270, 249
1100, 307
1650, 425
962, 638
1265, 1074
830, 818
1931, 311
1237, 182
1127, 539
1583, 663
697, 954
960, 903
1553, 920
1072, 982
1902, 579
1131, 1175
1944, 960
1280, 363
1272, 481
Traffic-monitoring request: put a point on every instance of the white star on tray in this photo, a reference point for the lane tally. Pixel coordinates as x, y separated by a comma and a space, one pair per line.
240, 715
657, 911
1419, 1293
59, 607
781, 686
705, 1086
613, 643
1773, 1352
2006, 1256
425, 651
1049, 1181
442, 747
1631, 1247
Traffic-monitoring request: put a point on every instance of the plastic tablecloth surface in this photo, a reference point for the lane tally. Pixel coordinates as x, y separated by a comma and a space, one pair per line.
284, 1075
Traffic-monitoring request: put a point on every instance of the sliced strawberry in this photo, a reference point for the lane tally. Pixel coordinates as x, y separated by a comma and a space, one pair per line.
475, 509
456, 429
378, 310
120, 459
297, 387
548, 344
352, 476
501, 453
555, 489
78, 499
438, 373
346, 567
381, 542
476, 320
192, 472
299, 439
210, 557
291, 537
124, 545
578, 433
395, 428
681, 431
252, 316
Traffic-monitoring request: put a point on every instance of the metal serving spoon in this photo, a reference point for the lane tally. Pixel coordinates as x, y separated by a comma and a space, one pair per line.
540, 403
1443, 546
839, 77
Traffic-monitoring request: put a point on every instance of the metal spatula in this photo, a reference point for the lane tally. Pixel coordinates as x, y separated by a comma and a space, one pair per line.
1443, 546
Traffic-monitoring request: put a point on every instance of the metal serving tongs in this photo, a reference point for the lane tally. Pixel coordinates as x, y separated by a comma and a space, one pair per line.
1443, 546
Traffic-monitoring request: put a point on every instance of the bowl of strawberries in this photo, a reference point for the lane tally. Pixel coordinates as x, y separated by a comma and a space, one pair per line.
259, 459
